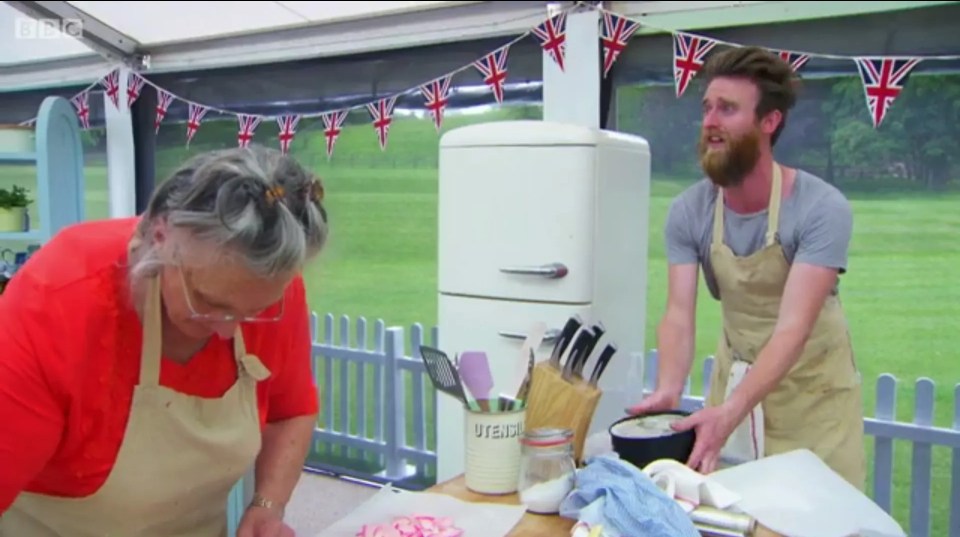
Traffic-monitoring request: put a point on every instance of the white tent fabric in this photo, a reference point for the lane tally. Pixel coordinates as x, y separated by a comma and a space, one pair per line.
153, 24
179, 36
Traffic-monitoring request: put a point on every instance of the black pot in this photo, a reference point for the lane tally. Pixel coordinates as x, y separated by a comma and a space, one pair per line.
641, 451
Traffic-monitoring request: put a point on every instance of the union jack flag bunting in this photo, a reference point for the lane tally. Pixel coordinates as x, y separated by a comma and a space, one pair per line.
111, 83
689, 53
493, 67
382, 114
333, 126
135, 84
617, 32
197, 111
248, 124
437, 95
796, 59
164, 98
883, 80
553, 37
288, 129
81, 104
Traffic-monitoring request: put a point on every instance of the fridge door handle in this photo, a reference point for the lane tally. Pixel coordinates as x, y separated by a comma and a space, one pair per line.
549, 335
552, 270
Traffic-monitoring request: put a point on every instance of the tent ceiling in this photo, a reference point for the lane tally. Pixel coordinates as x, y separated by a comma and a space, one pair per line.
145, 26
161, 23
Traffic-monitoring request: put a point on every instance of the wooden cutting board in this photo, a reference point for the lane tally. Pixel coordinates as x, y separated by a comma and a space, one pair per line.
530, 525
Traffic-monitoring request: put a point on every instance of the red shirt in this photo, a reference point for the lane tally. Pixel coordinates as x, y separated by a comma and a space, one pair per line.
70, 357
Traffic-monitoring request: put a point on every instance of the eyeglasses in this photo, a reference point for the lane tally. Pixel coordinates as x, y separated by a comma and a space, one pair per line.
222, 317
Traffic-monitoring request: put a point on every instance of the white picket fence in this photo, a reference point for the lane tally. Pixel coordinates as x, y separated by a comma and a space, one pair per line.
378, 406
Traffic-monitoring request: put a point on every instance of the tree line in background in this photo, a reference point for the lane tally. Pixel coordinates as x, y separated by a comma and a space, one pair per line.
829, 132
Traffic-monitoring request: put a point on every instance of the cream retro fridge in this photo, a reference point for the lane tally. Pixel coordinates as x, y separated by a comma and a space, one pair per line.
539, 221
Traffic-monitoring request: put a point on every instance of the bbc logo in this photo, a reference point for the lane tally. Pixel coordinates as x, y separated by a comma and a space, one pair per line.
29, 28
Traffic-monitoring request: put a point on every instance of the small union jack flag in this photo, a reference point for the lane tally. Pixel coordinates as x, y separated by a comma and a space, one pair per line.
382, 113
617, 32
883, 80
796, 59
333, 126
689, 52
437, 95
81, 103
288, 129
493, 67
112, 84
197, 111
135, 84
248, 124
553, 37
164, 98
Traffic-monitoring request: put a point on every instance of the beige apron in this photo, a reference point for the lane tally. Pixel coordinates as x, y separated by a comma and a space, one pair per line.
181, 455
818, 405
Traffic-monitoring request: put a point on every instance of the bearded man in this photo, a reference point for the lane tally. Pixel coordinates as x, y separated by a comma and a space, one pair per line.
772, 242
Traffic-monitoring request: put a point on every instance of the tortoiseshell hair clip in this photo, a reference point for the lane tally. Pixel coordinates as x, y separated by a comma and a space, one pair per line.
315, 191
274, 194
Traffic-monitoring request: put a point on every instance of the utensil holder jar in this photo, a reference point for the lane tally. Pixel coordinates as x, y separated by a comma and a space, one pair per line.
493, 451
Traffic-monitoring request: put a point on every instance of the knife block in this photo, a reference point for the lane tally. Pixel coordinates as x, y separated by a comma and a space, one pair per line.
555, 402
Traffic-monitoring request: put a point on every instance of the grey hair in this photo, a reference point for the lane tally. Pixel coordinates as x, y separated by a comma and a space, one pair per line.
254, 204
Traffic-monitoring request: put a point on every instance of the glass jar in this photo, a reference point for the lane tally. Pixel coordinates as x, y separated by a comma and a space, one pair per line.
547, 470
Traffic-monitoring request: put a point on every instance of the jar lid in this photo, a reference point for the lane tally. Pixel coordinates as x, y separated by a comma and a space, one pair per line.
547, 437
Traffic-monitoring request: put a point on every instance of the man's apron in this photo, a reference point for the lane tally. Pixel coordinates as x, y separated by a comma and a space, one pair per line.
180, 457
818, 405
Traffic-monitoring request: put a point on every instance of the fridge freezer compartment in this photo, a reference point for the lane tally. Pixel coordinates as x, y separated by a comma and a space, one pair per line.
499, 327
517, 223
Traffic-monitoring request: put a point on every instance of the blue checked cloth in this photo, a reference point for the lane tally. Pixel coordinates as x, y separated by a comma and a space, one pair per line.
617, 495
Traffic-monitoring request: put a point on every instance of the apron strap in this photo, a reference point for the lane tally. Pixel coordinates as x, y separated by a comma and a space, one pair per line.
773, 218
718, 218
152, 332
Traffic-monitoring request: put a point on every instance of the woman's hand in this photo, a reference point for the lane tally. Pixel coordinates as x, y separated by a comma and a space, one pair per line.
263, 522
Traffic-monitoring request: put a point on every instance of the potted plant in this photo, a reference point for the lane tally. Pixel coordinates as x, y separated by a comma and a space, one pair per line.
13, 209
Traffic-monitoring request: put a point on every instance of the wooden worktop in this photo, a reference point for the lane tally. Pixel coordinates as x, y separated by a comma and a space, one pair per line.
530, 525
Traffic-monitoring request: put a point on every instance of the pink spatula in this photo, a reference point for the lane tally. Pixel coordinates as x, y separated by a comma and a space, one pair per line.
476, 376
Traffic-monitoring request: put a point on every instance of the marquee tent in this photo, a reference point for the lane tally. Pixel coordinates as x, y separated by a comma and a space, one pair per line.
161, 37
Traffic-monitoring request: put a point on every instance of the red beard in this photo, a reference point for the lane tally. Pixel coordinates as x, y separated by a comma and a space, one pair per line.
728, 164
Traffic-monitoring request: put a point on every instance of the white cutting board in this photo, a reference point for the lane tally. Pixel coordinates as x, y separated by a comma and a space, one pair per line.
797, 495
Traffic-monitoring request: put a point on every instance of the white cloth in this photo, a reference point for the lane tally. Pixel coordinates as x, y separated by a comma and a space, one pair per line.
746, 442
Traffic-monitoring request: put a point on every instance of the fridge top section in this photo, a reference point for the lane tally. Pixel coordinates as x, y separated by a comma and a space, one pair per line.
538, 133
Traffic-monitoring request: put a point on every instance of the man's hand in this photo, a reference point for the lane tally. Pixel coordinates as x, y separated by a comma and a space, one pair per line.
658, 401
713, 426
263, 522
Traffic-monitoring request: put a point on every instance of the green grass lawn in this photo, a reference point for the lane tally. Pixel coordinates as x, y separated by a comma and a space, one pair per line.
901, 293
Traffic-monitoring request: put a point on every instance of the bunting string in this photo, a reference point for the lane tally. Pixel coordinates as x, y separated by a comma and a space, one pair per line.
883, 77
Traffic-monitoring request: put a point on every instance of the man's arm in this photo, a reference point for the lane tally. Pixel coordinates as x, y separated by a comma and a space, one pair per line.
821, 256
675, 333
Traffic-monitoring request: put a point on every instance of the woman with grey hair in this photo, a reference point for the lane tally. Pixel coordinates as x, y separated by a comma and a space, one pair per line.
149, 362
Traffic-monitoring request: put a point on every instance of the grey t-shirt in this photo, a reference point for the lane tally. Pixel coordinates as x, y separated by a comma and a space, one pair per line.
816, 224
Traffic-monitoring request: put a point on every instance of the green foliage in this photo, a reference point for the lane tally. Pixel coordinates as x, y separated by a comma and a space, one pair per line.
15, 196
830, 133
